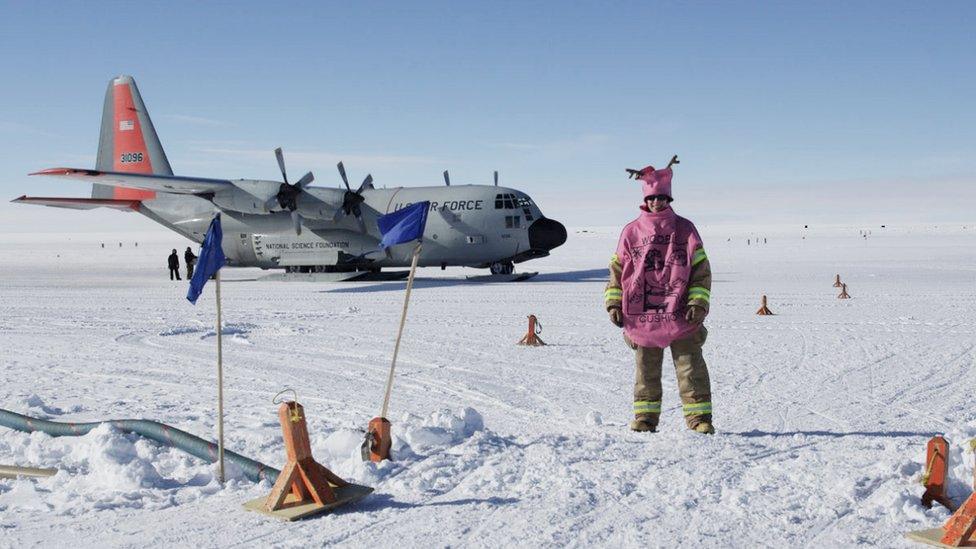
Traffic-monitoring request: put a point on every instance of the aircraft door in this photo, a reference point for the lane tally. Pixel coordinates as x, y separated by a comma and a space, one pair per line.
238, 249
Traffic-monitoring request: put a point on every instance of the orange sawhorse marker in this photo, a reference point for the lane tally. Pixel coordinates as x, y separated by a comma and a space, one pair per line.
532, 337
304, 487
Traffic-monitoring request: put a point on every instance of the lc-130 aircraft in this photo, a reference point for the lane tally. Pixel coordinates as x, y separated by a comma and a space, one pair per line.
278, 224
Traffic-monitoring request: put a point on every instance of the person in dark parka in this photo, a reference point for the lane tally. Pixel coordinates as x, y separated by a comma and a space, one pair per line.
191, 260
174, 266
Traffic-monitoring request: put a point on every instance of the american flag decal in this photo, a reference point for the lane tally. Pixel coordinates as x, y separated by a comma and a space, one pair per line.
126, 125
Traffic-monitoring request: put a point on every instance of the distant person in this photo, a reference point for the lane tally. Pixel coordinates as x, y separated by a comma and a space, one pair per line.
174, 265
191, 261
659, 289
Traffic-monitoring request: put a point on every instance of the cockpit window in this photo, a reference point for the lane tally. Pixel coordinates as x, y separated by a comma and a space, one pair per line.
510, 201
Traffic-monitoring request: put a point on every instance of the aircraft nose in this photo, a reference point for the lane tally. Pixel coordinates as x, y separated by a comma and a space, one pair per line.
546, 234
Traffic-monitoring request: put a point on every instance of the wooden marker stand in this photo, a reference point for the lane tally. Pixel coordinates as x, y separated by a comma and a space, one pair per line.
378, 441
958, 531
837, 282
843, 292
934, 477
304, 487
764, 310
532, 337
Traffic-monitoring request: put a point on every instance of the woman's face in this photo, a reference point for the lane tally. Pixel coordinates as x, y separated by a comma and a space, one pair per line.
656, 203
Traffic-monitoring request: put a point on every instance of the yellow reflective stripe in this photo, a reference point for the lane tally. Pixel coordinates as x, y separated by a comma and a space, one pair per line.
699, 257
698, 292
613, 293
647, 407
615, 259
697, 408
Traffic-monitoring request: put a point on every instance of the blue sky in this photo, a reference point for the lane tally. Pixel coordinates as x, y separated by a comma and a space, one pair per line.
789, 112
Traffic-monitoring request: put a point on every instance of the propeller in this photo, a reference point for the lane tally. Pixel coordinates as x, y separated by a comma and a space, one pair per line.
287, 196
352, 199
447, 178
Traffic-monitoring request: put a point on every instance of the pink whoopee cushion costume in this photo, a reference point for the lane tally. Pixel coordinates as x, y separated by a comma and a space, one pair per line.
655, 251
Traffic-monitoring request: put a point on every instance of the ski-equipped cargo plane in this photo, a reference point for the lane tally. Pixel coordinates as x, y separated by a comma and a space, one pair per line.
279, 224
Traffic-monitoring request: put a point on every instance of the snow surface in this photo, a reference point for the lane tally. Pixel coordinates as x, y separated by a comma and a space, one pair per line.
822, 411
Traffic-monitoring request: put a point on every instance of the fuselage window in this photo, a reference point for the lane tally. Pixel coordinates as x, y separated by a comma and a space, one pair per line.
528, 214
498, 202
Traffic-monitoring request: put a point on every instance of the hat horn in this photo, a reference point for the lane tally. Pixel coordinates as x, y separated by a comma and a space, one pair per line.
674, 160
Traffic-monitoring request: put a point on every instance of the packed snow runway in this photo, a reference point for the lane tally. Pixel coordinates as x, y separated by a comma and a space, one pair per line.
822, 411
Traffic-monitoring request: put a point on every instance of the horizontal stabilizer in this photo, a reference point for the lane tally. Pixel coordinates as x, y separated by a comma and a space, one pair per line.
79, 203
149, 182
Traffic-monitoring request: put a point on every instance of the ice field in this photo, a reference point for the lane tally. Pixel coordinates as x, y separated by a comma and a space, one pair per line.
822, 411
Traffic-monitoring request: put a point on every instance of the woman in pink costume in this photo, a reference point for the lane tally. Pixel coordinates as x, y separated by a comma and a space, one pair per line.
659, 289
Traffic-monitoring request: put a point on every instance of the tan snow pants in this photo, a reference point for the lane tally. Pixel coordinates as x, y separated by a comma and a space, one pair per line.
693, 382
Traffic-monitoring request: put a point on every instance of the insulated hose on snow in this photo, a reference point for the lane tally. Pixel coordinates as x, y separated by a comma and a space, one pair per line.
161, 433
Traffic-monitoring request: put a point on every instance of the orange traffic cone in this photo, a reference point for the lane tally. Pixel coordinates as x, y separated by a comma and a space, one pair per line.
764, 310
837, 282
843, 292
532, 337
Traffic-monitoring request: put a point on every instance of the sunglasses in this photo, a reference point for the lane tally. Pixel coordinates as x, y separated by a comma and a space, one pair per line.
654, 197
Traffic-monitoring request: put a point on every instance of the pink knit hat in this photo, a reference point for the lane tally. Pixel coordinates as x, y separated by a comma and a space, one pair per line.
655, 181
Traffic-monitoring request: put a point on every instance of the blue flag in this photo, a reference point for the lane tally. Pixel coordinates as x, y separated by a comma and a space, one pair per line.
403, 225
210, 261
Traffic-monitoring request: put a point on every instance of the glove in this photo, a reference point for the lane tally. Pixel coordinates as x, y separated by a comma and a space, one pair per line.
617, 317
695, 314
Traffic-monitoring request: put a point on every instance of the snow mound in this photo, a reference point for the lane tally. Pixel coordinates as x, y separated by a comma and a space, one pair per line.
441, 429
594, 418
238, 332
105, 470
429, 443
194, 327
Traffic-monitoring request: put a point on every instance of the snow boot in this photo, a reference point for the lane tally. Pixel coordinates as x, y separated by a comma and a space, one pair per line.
705, 428
643, 423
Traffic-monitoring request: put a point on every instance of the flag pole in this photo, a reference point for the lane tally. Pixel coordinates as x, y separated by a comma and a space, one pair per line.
403, 318
220, 386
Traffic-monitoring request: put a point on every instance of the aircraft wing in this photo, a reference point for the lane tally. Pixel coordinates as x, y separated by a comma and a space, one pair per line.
149, 182
79, 203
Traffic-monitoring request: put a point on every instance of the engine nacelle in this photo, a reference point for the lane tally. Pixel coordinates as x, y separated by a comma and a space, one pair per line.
248, 196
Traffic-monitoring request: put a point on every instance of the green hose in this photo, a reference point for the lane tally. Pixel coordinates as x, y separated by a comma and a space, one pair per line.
163, 434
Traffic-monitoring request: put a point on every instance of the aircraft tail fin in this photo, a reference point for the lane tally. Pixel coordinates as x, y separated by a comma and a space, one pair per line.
128, 141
